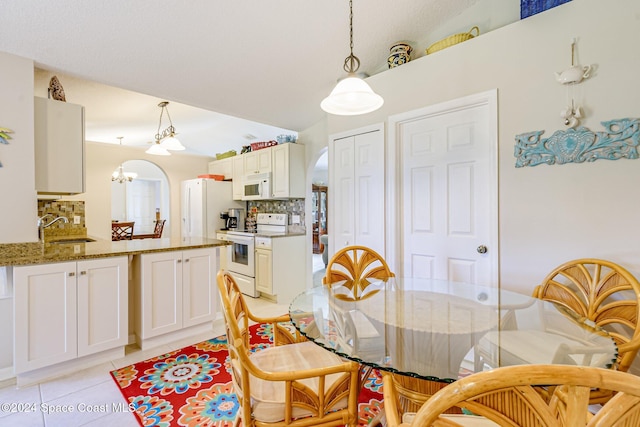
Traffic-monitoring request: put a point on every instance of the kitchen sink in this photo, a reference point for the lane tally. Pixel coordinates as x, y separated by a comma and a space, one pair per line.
69, 241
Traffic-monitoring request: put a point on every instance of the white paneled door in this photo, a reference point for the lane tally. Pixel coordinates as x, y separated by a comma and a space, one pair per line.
447, 159
356, 208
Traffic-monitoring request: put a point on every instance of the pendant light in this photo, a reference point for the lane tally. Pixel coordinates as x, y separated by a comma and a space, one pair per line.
165, 140
119, 175
352, 95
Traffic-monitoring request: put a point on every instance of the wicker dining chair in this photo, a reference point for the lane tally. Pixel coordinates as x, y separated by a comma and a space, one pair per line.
293, 383
354, 273
601, 293
598, 292
508, 396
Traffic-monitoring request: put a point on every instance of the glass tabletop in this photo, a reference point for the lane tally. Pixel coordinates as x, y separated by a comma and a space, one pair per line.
441, 330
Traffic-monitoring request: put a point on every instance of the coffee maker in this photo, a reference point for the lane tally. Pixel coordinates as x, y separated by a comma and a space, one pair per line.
235, 220
225, 217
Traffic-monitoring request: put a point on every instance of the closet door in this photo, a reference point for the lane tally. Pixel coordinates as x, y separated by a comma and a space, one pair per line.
369, 196
357, 177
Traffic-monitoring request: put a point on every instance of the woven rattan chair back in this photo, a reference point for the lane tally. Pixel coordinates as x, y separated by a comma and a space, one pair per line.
353, 269
605, 294
509, 397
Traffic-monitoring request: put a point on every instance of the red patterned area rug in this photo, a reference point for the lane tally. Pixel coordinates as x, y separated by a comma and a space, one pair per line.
192, 386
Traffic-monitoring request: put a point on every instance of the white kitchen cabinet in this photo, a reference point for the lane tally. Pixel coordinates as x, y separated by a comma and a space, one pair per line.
281, 267
68, 310
175, 290
357, 196
59, 147
288, 177
222, 167
238, 176
258, 161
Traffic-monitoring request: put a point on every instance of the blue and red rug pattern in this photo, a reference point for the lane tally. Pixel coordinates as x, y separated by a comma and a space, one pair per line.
192, 386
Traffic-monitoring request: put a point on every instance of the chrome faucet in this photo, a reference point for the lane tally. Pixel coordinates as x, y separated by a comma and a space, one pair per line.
42, 225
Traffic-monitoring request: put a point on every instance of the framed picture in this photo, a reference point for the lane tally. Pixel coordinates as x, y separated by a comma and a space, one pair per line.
531, 7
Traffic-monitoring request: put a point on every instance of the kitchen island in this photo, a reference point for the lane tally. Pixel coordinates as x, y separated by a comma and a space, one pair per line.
75, 305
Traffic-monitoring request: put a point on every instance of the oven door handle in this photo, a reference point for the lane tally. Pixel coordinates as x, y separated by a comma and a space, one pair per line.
241, 239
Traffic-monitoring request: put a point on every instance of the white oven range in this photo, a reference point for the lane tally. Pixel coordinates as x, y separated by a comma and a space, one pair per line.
241, 252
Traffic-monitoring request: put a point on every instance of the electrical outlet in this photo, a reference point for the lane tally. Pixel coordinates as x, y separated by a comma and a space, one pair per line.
295, 219
76, 219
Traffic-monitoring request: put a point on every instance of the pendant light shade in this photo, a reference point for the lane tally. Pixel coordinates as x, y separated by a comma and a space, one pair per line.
171, 143
157, 150
352, 95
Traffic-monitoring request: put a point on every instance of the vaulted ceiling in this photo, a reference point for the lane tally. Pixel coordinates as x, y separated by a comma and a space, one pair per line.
223, 65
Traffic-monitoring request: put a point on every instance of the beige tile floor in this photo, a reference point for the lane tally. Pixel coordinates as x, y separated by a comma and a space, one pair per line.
44, 404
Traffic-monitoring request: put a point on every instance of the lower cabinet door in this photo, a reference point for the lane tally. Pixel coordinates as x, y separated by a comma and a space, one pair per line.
45, 315
161, 293
264, 271
102, 305
199, 268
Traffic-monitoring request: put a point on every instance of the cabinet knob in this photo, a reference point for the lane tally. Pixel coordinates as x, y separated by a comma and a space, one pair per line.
71, 274
83, 272
482, 249
179, 261
186, 260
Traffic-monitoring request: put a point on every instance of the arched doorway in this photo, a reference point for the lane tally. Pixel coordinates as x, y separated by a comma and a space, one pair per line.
319, 219
142, 200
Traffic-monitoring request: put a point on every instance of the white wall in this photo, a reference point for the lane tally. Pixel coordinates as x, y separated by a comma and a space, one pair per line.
548, 214
17, 179
103, 159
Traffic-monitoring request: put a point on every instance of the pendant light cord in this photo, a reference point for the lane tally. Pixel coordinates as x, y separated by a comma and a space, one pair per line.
351, 63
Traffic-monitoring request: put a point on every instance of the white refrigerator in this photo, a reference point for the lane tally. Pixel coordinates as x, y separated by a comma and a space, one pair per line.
202, 202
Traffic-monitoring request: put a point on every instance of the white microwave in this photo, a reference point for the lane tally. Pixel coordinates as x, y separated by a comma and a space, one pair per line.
257, 186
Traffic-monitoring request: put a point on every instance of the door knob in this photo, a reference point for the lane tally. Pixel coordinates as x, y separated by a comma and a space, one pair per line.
482, 249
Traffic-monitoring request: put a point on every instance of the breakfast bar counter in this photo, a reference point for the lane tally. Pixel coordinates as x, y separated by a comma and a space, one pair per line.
33, 253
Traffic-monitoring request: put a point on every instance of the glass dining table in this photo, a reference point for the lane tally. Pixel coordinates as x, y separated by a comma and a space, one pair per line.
441, 330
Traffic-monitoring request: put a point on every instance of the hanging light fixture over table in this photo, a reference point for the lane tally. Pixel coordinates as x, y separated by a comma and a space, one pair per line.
165, 140
119, 175
352, 95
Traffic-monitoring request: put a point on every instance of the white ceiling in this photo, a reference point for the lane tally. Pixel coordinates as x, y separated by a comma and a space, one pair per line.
269, 62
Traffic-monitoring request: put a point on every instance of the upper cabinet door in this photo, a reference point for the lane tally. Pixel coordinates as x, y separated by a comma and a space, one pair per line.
59, 147
288, 176
258, 161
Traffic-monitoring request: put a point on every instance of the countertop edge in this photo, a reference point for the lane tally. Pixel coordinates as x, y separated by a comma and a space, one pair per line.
34, 253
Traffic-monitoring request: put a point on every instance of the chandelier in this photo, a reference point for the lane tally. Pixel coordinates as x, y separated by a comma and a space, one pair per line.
352, 95
165, 139
119, 175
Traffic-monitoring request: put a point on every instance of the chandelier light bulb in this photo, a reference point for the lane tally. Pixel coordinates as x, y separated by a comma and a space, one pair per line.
119, 175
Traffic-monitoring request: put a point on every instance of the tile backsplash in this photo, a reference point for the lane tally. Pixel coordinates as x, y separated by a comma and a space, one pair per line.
289, 206
65, 208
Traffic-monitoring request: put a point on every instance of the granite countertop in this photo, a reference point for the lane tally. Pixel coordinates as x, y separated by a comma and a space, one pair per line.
41, 253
